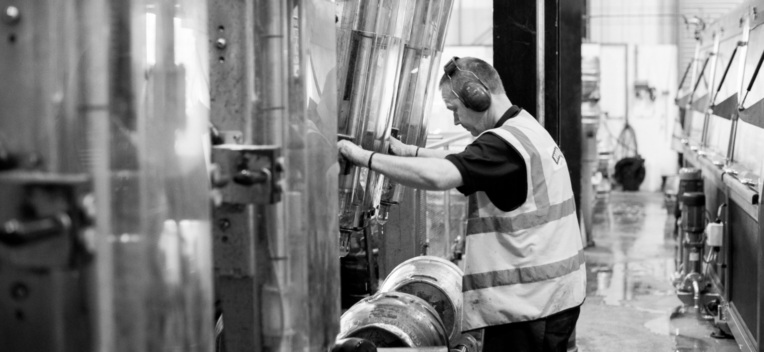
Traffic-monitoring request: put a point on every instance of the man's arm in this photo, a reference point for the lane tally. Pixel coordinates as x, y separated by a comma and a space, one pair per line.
400, 149
429, 173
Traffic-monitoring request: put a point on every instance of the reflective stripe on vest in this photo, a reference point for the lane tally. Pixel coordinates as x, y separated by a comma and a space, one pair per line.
522, 221
524, 275
527, 263
538, 180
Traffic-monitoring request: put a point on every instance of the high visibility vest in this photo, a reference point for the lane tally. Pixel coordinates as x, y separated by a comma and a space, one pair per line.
528, 263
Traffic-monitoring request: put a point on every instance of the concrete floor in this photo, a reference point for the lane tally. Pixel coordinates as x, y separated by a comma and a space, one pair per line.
631, 305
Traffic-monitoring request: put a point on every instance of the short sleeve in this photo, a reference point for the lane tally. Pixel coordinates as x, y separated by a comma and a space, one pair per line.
493, 166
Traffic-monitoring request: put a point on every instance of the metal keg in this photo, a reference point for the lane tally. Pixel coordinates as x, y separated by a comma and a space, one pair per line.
394, 319
435, 280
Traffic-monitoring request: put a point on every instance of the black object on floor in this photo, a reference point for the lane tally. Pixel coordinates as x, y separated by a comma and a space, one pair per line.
630, 172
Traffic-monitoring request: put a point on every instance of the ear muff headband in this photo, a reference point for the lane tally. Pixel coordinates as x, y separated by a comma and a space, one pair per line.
474, 94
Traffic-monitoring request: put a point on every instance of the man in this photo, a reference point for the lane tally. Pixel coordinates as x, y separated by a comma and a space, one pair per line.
525, 275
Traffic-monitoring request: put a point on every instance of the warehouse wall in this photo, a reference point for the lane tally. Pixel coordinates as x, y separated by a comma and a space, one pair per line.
708, 11
471, 23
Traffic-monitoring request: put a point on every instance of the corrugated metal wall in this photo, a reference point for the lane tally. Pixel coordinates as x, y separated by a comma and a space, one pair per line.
707, 10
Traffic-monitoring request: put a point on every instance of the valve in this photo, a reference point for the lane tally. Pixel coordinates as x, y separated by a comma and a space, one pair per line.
18, 232
255, 171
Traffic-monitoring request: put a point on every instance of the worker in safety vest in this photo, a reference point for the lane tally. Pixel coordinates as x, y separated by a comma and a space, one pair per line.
525, 274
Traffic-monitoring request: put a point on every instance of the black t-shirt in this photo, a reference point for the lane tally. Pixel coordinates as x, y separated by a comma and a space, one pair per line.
493, 166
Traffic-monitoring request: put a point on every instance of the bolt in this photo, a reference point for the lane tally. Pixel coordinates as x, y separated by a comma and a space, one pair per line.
224, 224
19, 291
11, 15
279, 165
220, 43
34, 161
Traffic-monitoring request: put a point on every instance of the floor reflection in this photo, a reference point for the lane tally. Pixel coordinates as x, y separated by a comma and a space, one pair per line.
631, 305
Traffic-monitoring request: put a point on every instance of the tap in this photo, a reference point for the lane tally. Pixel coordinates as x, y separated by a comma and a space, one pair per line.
696, 291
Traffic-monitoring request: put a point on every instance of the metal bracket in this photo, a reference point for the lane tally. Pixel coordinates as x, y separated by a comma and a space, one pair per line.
233, 247
42, 218
248, 174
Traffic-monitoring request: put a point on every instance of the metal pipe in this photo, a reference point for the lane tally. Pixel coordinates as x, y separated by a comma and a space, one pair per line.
753, 79
697, 83
724, 76
447, 215
540, 68
707, 114
695, 59
696, 293
743, 44
686, 72
272, 110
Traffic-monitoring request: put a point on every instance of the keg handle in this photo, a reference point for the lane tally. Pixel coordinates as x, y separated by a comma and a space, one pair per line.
422, 276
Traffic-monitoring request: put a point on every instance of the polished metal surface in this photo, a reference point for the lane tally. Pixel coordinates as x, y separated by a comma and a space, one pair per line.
631, 304
274, 83
117, 92
394, 319
156, 184
370, 40
435, 280
419, 74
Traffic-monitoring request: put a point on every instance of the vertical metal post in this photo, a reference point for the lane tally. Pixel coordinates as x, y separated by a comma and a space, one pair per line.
232, 79
420, 202
741, 86
759, 333
447, 213
461, 21
626, 82
711, 85
540, 68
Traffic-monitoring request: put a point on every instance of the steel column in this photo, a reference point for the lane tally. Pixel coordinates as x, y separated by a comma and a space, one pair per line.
547, 86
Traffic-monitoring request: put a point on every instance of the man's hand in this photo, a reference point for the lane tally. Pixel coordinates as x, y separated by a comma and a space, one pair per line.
353, 153
398, 148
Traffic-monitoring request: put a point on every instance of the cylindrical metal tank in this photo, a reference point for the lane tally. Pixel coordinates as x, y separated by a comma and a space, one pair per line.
370, 44
435, 280
116, 93
151, 176
394, 319
418, 74
318, 68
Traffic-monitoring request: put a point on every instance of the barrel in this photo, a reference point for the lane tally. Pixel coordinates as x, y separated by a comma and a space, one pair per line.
435, 280
394, 319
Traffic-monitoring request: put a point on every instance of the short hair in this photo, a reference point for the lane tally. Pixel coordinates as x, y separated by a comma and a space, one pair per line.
482, 69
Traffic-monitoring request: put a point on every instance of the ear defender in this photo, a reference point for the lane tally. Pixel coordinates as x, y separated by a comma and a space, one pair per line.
474, 94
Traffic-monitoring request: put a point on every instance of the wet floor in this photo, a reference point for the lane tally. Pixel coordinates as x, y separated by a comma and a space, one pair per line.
631, 304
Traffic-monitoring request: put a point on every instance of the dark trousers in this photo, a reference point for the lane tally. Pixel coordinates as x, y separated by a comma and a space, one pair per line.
549, 334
